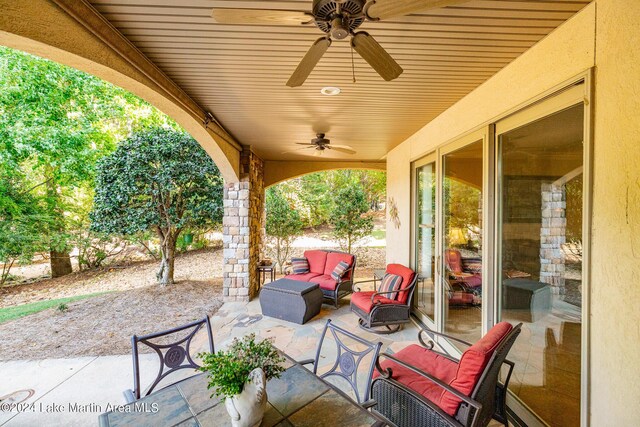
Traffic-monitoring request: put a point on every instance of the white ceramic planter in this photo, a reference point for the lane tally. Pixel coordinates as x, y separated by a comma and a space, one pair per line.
247, 408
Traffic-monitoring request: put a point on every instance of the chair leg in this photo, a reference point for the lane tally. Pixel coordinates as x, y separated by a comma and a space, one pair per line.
388, 330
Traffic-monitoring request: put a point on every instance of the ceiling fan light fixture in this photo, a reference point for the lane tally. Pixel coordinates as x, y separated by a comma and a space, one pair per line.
330, 90
339, 30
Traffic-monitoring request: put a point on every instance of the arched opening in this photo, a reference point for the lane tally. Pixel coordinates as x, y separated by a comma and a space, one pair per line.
79, 248
109, 56
338, 209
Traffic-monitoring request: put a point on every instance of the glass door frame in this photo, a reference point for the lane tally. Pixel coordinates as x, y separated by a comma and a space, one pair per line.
484, 134
423, 161
571, 94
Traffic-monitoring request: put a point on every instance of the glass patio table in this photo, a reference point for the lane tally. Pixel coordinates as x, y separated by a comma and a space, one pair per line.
297, 399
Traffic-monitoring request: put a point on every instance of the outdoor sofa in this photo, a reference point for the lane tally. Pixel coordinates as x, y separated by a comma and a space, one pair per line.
321, 264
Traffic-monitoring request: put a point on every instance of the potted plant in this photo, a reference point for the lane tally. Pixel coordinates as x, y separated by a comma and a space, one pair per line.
239, 375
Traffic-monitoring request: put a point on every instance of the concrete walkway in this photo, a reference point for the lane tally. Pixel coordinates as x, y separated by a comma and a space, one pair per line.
73, 392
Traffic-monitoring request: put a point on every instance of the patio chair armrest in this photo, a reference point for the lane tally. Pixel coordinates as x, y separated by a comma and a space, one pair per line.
129, 397
369, 404
287, 269
387, 373
306, 362
388, 292
429, 343
357, 289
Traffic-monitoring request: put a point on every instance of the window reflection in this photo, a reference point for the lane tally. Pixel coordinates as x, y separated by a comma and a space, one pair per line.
462, 235
541, 260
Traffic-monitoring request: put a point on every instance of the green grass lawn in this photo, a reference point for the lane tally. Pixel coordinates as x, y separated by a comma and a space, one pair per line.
15, 312
379, 234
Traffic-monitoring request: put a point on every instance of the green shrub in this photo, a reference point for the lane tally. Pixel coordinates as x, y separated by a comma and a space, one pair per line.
229, 370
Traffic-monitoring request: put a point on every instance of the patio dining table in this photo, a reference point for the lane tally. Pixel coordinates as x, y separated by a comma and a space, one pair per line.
297, 399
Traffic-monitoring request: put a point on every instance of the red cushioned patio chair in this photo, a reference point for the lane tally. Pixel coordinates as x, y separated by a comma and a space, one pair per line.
419, 386
379, 314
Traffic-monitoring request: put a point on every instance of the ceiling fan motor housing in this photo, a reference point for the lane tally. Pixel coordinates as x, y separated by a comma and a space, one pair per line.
338, 25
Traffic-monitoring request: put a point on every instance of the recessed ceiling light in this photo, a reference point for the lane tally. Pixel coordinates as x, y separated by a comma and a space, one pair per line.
330, 90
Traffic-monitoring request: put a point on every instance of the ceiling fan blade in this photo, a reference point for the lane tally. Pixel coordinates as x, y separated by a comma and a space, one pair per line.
348, 147
342, 149
296, 150
376, 56
309, 62
306, 143
383, 9
259, 16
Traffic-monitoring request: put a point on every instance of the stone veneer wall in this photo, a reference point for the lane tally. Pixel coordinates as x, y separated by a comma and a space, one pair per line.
243, 229
553, 234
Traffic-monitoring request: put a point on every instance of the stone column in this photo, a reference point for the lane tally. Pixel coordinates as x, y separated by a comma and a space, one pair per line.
243, 229
553, 234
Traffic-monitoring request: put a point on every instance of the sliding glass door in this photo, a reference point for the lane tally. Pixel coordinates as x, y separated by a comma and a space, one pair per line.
462, 255
540, 207
499, 235
425, 231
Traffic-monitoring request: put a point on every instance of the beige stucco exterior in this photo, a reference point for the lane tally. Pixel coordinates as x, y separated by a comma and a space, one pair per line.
604, 37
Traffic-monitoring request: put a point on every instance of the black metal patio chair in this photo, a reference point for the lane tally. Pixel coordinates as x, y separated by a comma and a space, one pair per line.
173, 356
348, 361
409, 396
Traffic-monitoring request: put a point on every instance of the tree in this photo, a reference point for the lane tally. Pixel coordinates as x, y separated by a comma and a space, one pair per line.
349, 216
283, 223
159, 180
22, 222
55, 122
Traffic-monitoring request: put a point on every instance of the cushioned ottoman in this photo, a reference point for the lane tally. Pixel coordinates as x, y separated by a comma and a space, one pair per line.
291, 300
529, 298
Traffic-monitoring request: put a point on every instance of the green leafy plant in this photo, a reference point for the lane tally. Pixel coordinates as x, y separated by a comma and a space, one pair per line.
229, 370
283, 224
62, 308
350, 216
158, 180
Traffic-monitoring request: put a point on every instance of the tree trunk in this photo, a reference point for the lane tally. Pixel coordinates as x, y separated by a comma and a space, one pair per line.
165, 273
60, 263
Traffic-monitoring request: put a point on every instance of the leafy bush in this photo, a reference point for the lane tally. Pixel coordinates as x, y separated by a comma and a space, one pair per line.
350, 216
229, 370
283, 224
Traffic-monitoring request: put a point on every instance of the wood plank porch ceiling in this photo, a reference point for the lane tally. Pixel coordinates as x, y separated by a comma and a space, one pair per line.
239, 72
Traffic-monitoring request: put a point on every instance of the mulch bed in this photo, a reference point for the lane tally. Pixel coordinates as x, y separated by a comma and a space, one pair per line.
103, 325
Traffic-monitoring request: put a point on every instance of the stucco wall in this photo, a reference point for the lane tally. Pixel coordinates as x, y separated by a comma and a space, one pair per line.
615, 260
563, 54
606, 34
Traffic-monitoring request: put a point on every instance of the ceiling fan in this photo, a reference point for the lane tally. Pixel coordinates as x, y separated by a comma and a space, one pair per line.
319, 144
338, 19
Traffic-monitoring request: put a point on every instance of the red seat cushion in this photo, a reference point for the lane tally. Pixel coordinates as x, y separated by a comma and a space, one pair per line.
363, 300
462, 376
427, 361
453, 258
333, 259
317, 261
306, 277
407, 275
472, 363
326, 282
